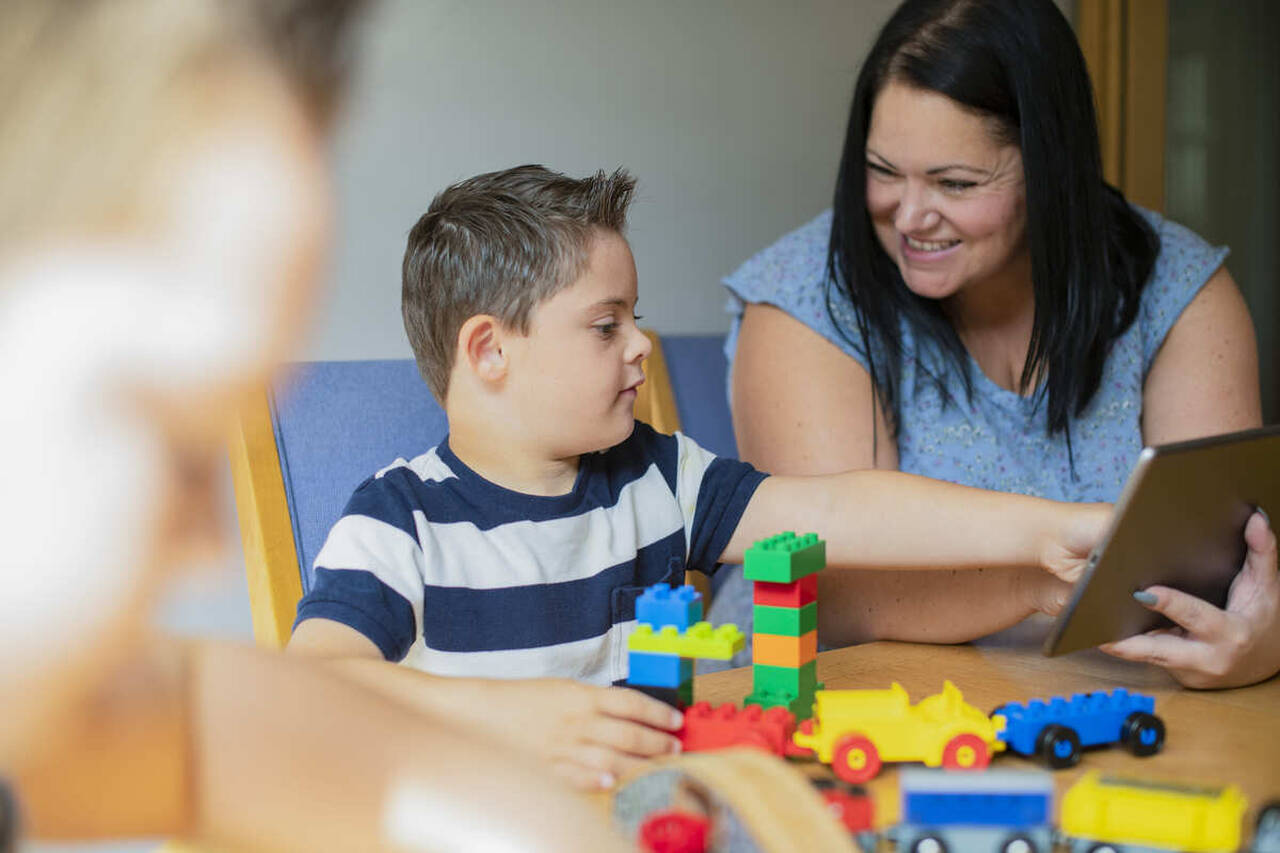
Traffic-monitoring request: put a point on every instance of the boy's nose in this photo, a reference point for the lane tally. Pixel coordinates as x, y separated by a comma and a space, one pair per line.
640, 346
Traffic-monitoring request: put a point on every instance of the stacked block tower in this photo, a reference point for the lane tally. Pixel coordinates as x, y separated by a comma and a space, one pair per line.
784, 571
671, 634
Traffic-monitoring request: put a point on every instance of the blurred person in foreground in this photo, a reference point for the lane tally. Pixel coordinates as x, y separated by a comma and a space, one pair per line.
164, 215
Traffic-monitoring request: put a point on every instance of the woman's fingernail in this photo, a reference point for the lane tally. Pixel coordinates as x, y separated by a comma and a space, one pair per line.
1144, 597
676, 747
1262, 512
607, 781
677, 720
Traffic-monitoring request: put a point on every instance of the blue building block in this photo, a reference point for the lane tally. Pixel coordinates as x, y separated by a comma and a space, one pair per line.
661, 605
653, 669
1059, 728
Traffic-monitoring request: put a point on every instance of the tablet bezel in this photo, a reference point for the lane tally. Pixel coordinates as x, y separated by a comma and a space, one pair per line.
1190, 536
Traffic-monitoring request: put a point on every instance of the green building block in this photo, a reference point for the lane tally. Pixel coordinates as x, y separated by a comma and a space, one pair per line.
786, 621
785, 558
801, 706
700, 641
793, 681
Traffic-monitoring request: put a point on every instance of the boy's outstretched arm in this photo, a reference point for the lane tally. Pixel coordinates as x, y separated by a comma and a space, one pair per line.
590, 736
891, 520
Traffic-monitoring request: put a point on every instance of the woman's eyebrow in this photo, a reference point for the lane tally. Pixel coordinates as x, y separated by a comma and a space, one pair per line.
939, 169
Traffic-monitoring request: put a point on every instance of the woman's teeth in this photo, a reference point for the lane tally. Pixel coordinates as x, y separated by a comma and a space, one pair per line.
929, 246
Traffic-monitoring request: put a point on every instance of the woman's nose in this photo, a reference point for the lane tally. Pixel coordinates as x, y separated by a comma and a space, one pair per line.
915, 210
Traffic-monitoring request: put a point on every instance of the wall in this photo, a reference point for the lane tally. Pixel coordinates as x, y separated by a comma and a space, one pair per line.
730, 112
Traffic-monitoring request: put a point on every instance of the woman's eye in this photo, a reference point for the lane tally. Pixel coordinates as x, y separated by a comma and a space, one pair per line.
880, 170
955, 186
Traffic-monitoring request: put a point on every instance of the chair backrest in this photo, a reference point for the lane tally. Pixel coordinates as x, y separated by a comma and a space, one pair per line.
303, 448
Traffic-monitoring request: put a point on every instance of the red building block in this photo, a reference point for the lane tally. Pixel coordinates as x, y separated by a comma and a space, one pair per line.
796, 594
706, 728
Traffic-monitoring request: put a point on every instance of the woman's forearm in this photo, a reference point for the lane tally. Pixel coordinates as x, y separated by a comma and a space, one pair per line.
929, 606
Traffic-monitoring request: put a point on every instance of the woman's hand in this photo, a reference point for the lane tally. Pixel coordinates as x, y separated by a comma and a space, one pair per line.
1212, 647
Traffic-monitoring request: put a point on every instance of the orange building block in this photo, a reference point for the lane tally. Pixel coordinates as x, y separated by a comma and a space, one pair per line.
777, 650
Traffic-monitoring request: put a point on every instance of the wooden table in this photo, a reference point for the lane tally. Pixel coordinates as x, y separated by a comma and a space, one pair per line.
1212, 737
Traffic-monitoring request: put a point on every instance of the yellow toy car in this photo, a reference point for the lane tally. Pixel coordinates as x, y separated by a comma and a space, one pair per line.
1112, 814
856, 730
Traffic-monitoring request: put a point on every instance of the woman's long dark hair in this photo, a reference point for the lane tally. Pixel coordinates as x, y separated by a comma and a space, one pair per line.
1018, 62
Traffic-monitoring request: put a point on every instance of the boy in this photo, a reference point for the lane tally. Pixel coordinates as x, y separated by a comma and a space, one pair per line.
517, 547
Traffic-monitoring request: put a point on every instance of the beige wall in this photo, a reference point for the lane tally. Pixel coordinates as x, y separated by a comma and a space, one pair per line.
731, 112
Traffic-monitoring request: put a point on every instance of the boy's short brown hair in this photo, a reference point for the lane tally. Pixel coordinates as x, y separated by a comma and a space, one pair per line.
500, 244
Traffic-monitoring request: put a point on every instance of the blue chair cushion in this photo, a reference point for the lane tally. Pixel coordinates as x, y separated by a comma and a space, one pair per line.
336, 424
698, 372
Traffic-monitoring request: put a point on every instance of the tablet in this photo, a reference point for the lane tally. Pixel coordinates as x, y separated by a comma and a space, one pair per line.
1179, 522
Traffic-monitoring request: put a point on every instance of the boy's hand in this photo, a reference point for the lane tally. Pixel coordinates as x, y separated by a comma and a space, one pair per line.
1065, 552
590, 736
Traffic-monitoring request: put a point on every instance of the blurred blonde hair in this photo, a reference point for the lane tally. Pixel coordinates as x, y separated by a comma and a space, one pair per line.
92, 92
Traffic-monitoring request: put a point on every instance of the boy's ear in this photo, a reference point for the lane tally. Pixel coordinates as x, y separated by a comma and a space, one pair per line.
480, 348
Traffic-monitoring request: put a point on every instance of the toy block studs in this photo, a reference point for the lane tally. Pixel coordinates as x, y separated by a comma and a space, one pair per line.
785, 558
661, 605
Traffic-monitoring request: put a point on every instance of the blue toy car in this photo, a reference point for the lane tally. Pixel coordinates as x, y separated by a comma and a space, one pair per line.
1058, 729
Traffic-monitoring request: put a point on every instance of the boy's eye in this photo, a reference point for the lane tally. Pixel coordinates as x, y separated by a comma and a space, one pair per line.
637, 317
606, 330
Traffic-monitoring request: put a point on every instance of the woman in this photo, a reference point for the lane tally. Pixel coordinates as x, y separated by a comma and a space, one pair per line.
980, 307
164, 217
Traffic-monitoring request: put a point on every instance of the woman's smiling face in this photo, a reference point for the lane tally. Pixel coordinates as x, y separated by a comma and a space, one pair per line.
945, 194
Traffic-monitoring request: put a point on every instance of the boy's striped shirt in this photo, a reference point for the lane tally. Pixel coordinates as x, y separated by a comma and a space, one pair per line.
501, 584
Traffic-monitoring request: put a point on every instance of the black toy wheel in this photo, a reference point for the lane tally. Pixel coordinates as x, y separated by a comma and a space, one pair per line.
1019, 844
929, 844
1058, 746
1105, 848
1142, 733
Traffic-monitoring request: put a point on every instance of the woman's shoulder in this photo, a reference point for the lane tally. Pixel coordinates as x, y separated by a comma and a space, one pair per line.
1186, 261
797, 260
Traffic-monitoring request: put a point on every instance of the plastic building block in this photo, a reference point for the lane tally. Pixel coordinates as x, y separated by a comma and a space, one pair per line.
661, 605
801, 705
989, 811
677, 697
1097, 811
674, 832
795, 594
849, 803
785, 679
776, 650
658, 670
785, 558
856, 730
788, 621
700, 641
1056, 730
707, 728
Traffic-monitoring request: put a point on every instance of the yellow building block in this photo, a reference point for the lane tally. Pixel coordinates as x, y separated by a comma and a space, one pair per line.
700, 641
780, 650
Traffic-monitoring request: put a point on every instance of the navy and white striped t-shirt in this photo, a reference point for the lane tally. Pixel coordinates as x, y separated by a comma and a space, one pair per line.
501, 584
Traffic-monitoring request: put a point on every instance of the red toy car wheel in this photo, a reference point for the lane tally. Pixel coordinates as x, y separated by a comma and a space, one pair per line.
966, 752
855, 759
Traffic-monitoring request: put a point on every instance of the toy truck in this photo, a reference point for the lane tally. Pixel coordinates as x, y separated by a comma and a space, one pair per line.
1114, 815
1057, 730
1006, 811
856, 730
